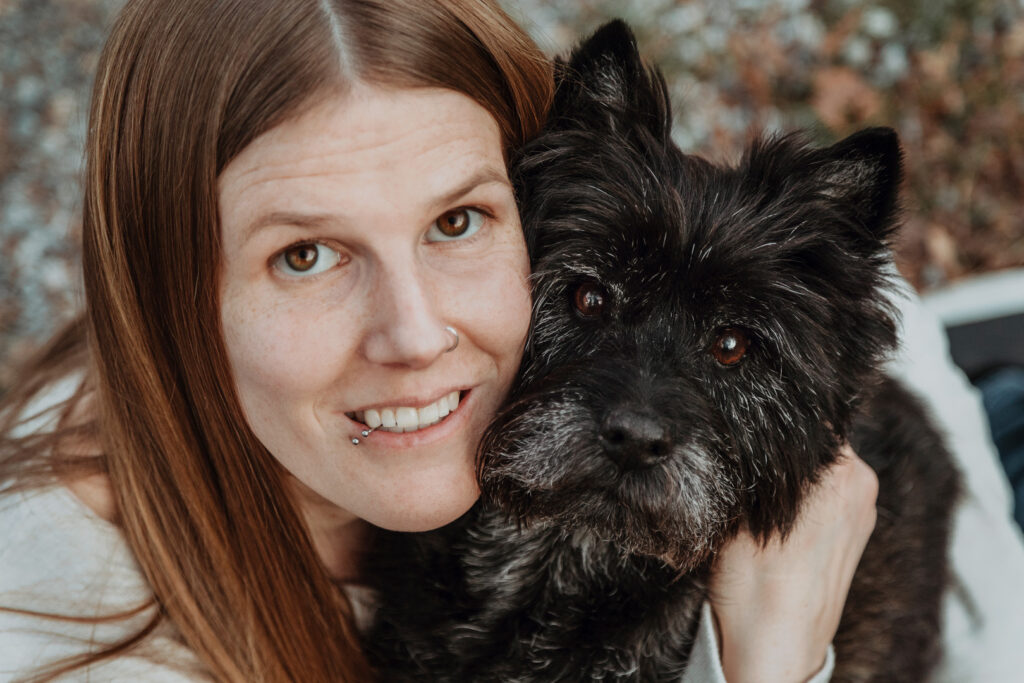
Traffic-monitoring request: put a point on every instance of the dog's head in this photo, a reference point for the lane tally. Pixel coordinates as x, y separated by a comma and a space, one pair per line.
700, 333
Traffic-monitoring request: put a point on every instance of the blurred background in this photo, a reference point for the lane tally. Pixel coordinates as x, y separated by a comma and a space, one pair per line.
947, 74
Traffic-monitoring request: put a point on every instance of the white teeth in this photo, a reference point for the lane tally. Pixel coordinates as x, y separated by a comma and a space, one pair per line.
429, 414
409, 419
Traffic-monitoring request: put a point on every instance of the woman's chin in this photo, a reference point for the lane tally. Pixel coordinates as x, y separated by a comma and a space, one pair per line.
425, 507
428, 519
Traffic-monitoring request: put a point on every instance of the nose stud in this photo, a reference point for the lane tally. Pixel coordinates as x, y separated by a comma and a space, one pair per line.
451, 330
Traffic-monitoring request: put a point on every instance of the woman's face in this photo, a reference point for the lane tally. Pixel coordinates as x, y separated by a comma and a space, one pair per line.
351, 237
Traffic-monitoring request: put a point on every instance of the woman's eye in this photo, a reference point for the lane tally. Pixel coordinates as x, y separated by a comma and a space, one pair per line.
456, 224
308, 258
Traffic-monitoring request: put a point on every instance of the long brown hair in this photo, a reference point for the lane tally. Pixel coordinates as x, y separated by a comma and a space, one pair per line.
182, 87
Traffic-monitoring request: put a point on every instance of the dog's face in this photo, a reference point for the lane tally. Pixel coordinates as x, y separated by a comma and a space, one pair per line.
700, 334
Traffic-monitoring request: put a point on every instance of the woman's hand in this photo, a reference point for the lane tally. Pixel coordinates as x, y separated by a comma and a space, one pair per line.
778, 607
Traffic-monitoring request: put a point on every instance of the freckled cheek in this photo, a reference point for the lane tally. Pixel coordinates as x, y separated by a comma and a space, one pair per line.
501, 306
279, 351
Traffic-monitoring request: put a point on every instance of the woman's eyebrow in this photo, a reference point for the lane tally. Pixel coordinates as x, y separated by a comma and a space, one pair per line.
301, 220
483, 176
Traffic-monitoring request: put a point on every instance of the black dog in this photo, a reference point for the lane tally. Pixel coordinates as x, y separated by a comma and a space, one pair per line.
703, 340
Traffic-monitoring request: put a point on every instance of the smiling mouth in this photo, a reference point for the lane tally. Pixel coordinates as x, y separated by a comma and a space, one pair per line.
400, 419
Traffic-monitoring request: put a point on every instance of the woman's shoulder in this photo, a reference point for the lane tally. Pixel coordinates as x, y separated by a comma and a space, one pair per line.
58, 557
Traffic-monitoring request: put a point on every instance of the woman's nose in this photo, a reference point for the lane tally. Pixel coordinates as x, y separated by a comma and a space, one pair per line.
405, 327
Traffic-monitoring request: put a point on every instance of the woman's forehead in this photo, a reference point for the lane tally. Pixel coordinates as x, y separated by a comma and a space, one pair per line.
369, 141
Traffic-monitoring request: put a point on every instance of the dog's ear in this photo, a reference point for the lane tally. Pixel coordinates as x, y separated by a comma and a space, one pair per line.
605, 83
610, 53
865, 171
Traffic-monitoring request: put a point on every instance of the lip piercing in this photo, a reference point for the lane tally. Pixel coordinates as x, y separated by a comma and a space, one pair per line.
365, 433
451, 330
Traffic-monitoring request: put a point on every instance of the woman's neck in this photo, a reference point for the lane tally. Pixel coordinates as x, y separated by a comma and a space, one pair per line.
95, 493
338, 536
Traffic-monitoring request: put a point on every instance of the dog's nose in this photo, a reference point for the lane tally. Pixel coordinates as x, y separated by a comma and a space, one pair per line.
634, 440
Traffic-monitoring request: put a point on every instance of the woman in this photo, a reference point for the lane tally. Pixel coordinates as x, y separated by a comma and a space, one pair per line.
297, 211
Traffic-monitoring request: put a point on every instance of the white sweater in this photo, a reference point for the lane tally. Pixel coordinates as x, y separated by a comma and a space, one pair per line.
55, 554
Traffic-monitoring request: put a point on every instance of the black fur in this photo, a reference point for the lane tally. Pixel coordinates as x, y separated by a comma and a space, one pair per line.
627, 454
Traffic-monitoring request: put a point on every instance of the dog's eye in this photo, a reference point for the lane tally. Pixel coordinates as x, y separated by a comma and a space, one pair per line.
590, 299
730, 346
